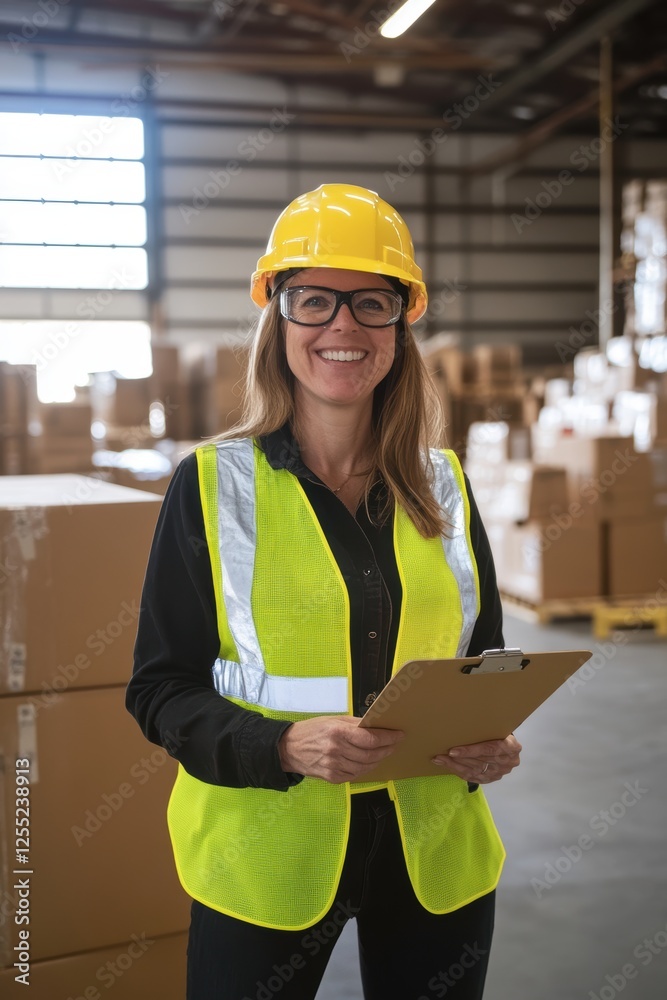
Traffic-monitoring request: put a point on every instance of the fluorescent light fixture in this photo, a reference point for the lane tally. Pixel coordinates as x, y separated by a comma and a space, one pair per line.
405, 16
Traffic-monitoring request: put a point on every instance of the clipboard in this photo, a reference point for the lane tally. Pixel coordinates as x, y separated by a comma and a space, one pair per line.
440, 704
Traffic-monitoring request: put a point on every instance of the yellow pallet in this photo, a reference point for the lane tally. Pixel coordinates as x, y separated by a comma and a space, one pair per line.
545, 612
606, 618
605, 613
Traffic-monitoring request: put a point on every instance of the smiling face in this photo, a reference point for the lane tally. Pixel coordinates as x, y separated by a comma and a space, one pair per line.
341, 362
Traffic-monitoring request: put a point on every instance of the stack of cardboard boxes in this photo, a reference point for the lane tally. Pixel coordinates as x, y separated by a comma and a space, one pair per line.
524, 505
217, 388
486, 383
18, 413
90, 898
644, 243
199, 396
65, 444
585, 518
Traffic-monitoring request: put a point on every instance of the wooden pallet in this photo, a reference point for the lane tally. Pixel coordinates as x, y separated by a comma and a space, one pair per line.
629, 614
549, 611
606, 614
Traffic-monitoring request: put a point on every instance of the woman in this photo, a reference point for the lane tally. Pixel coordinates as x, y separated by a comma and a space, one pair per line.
299, 560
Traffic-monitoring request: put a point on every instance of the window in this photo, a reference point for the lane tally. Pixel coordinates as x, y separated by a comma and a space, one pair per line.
65, 352
72, 189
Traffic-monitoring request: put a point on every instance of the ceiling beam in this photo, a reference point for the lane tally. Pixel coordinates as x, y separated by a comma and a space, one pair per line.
540, 133
575, 41
262, 58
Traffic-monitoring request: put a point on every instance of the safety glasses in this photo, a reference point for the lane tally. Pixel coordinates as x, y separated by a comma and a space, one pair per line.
311, 305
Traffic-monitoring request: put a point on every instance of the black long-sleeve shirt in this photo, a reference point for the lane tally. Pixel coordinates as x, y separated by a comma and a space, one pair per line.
171, 692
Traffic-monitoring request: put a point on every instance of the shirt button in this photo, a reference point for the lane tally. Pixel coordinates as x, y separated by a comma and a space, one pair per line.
367, 572
369, 699
372, 635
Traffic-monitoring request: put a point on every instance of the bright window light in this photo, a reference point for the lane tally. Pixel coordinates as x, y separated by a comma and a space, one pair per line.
66, 351
72, 180
404, 17
72, 189
73, 267
71, 135
35, 222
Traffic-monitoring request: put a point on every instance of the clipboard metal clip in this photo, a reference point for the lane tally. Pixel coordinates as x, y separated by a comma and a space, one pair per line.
503, 661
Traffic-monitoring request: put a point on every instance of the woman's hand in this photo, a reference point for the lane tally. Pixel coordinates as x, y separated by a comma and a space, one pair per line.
482, 763
334, 747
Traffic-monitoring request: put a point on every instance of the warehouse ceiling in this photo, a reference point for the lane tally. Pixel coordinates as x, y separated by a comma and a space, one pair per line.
542, 56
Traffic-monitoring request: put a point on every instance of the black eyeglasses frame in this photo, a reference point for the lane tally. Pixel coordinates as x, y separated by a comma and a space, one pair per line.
342, 298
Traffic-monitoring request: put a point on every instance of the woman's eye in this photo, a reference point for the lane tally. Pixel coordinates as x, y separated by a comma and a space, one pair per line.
370, 304
315, 302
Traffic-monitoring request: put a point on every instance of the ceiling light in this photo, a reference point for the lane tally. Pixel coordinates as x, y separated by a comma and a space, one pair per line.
521, 111
405, 16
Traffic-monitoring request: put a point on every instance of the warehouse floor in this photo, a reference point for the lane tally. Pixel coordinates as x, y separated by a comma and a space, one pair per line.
569, 936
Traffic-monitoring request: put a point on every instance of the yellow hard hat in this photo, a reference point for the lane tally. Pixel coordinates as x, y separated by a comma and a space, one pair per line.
341, 225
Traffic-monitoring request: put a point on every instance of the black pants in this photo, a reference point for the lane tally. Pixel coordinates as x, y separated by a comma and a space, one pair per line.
406, 953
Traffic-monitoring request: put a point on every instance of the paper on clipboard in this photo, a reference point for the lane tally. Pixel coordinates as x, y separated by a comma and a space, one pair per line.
440, 704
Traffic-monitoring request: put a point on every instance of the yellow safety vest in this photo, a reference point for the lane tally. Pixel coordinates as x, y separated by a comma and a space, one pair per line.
274, 858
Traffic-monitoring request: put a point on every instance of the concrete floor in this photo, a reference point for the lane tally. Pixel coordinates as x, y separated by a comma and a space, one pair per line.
571, 939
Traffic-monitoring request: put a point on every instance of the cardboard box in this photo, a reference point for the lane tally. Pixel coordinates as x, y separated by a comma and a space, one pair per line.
231, 363
605, 474
18, 411
119, 438
18, 397
496, 363
100, 861
73, 553
637, 555
166, 364
540, 562
60, 454
66, 420
519, 491
141, 968
132, 401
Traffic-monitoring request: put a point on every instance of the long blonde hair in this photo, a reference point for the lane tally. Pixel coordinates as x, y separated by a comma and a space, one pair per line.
407, 418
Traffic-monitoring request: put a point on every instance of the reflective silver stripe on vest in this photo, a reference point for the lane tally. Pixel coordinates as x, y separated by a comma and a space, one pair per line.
237, 538
284, 694
449, 496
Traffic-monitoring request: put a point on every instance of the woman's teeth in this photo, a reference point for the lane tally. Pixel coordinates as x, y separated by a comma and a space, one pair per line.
342, 355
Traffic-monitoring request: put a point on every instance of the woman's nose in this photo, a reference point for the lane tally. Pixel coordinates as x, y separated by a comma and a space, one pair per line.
343, 320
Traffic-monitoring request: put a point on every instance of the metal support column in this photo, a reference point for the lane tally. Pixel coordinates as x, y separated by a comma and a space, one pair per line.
608, 228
